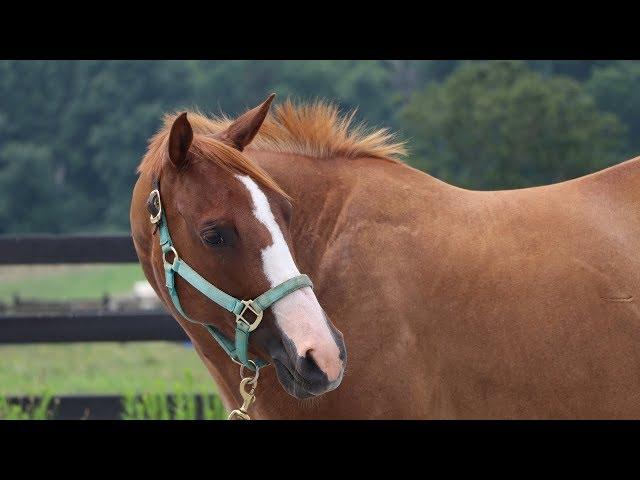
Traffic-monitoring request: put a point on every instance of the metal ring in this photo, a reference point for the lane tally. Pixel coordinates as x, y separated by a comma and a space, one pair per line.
257, 370
175, 253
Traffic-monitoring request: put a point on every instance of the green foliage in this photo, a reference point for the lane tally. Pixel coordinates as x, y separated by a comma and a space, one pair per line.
73, 132
213, 409
616, 89
21, 189
42, 410
502, 125
578, 69
181, 406
83, 126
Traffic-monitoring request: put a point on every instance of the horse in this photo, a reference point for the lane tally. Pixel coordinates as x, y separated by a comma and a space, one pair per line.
450, 303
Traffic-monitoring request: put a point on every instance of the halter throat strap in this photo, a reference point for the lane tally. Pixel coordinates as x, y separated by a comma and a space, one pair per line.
248, 313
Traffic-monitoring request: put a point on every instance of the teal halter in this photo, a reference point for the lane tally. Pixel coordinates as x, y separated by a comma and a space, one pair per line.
238, 350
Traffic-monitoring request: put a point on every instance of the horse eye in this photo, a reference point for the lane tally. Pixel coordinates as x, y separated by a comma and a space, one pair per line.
214, 238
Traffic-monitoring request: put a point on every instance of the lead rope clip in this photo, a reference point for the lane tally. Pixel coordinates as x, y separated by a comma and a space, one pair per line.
248, 397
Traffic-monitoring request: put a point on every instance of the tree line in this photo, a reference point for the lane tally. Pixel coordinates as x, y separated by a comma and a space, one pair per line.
72, 132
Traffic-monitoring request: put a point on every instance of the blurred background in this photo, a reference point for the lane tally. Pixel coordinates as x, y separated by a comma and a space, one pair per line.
73, 132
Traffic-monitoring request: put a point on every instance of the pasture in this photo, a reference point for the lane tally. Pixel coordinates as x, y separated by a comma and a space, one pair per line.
126, 368
99, 368
67, 282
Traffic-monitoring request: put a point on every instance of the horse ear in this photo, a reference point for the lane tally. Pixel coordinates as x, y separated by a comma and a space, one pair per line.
240, 133
180, 139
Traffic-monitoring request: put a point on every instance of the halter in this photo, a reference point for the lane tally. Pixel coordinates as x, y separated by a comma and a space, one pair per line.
238, 350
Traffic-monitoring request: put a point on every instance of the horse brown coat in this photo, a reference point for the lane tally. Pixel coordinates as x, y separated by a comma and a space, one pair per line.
455, 303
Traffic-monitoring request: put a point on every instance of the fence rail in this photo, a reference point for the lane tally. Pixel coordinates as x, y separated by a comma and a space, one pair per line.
52, 249
90, 327
81, 326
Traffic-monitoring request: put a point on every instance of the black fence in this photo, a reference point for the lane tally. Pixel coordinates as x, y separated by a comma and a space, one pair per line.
51, 249
97, 326
90, 327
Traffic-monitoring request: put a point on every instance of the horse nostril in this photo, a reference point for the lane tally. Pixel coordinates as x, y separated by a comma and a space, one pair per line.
310, 360
311, 369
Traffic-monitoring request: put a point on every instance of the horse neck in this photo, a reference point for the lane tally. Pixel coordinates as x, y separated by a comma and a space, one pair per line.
322, 188
319, 189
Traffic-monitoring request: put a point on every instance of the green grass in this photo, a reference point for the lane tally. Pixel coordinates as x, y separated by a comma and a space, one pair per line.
156, 406
100, 368
182, 405
63, 282
43, 411
148, 406
143, 368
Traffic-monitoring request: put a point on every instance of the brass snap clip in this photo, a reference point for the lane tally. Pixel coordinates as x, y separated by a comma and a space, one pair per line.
248, 397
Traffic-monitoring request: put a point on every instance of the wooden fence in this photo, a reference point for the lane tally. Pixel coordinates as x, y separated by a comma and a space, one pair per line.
98, 326
68, 327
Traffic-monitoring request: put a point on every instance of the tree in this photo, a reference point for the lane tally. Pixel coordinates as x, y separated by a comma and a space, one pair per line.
616, 89
577, 69
30, 190
501, 125
90, 121
86, 123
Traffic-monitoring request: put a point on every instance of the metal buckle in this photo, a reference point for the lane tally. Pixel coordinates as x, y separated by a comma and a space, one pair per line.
175, 256
248, 306
156, 218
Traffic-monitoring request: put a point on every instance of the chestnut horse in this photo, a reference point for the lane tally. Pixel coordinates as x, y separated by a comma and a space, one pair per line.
451, 303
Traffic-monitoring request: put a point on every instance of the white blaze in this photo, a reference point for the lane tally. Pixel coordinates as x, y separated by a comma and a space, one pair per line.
298, 314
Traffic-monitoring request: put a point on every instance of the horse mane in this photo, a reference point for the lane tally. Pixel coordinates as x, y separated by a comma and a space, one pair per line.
316, 130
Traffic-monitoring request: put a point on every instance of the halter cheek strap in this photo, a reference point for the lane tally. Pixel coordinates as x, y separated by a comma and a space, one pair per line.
238, 349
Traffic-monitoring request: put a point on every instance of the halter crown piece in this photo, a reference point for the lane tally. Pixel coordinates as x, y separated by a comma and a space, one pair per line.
238, 349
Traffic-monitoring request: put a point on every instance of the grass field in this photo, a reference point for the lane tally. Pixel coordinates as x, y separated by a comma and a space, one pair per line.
66, 282
100, 368
90, 367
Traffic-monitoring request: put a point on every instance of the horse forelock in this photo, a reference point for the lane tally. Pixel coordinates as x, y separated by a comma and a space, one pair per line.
204, 146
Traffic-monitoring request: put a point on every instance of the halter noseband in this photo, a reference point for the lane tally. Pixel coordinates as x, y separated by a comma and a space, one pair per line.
238, 350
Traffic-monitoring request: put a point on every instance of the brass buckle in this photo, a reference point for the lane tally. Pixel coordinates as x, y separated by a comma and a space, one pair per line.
156, 218
248, 306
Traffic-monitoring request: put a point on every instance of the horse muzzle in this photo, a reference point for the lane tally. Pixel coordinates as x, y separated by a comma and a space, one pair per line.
313, 374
